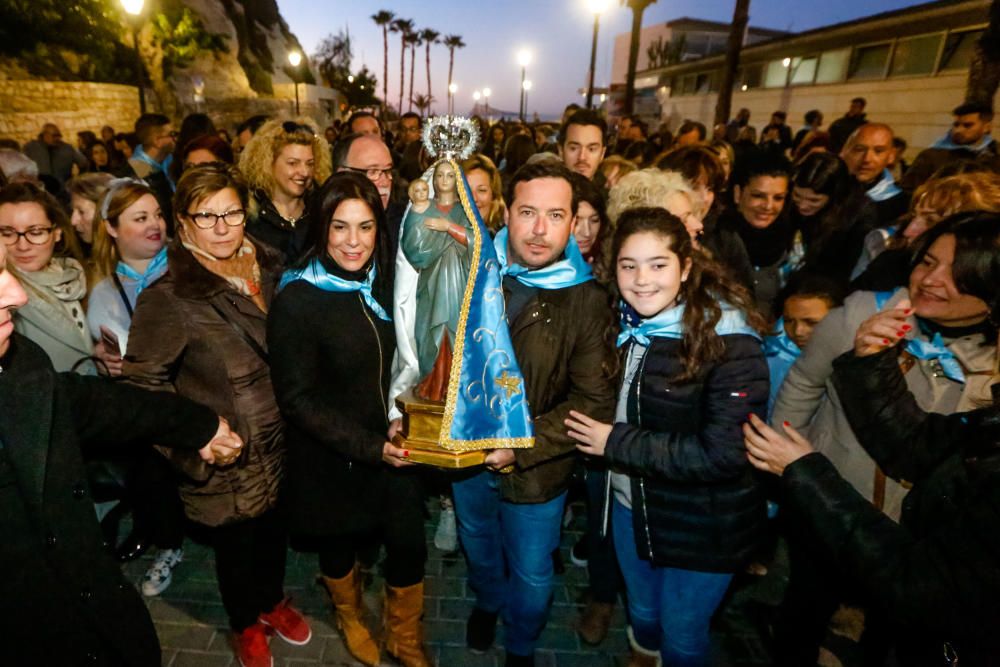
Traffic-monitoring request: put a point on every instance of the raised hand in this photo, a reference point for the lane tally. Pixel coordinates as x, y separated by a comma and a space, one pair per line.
224, 447
883, 329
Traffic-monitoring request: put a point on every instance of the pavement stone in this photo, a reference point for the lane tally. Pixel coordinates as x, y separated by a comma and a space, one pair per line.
193, 626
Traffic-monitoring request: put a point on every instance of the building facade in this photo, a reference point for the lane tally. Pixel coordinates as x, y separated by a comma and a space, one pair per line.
910, 65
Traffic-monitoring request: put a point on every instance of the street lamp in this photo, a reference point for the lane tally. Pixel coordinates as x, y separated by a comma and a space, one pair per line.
134, 9
598, 7
452, 89
526, 88
523, 59
486, 97
294, 59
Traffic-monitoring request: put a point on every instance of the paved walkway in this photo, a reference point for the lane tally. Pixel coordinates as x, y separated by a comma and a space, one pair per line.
193, 631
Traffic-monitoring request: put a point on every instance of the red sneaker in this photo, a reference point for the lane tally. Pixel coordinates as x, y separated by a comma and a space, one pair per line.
287, 623
252, 649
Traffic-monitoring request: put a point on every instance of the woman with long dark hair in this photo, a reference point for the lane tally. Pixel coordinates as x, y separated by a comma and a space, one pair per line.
686, 511
833, 215
332, 343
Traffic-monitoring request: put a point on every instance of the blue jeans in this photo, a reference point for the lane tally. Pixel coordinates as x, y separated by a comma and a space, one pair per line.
509, 548
669, 608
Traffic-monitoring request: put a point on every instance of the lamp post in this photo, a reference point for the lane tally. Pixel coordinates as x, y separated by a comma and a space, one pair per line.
525, 89
523, 59
486, 97
452, 89
476, 95
597, 7
134, 9
294, 59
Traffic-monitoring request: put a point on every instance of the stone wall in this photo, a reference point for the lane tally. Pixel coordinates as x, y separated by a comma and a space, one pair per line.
73, 106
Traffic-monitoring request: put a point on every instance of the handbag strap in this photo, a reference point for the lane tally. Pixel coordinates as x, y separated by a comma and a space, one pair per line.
247, 338
122, 294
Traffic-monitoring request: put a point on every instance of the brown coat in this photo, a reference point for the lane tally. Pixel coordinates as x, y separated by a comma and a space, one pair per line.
562, 343
179, 342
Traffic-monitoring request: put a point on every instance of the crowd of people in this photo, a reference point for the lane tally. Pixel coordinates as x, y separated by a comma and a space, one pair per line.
726, 343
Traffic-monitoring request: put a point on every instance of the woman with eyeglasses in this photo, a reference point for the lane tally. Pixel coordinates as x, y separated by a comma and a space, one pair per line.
200, 332
282, 163
42, 251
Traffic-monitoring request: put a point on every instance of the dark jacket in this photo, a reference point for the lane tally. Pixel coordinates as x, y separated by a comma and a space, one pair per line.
562, 344
764, 278
929, 160
888, 271
935, 576
184, 339
266, 226
696, 503
331, 358
842, 128
835, 238
63, 599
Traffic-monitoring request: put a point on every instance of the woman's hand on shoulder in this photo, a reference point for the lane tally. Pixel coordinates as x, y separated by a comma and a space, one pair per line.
883, 329
591, 434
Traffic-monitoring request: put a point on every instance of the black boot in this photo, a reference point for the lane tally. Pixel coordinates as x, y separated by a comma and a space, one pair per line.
481, 630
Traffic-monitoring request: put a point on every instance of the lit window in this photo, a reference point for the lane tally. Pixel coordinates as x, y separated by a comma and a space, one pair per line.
833, 66
776, 74
803, 71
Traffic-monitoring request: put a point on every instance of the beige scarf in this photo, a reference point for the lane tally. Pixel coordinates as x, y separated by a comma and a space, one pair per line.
241, 270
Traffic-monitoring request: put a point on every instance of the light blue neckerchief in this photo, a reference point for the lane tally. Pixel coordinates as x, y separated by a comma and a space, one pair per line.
572, 270
315, 274
669, 323
780, 345
156, 268
946, 143
163, 167
886, 188
932, 350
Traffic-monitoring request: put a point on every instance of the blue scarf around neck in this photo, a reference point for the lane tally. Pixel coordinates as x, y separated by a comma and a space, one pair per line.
316, 274
928, 350
946, 143
669, 323
156, 268
886, 188
571, 270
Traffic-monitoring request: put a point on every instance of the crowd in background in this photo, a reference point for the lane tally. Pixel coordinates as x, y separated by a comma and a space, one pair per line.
773, 342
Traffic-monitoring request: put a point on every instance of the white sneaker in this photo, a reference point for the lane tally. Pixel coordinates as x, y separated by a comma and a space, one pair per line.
159, 575
446, 535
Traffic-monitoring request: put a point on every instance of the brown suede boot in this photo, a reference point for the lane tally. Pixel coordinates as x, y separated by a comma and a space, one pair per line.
404, 631
594, 622
348, 611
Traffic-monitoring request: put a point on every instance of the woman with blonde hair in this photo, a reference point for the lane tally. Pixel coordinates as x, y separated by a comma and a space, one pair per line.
614, 168
487, 190
282, 163
86, 192
668, 190
932, 202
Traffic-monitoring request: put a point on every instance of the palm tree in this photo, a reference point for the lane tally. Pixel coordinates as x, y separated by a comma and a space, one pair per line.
423, 103
413, 39
404, 27
452, 42
382, 19
637, 7
429, 36
723, 105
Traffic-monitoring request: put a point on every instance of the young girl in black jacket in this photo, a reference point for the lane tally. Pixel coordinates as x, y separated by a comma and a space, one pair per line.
686, 510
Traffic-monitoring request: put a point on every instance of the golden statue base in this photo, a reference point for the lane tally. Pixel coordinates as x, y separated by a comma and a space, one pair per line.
420, 433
